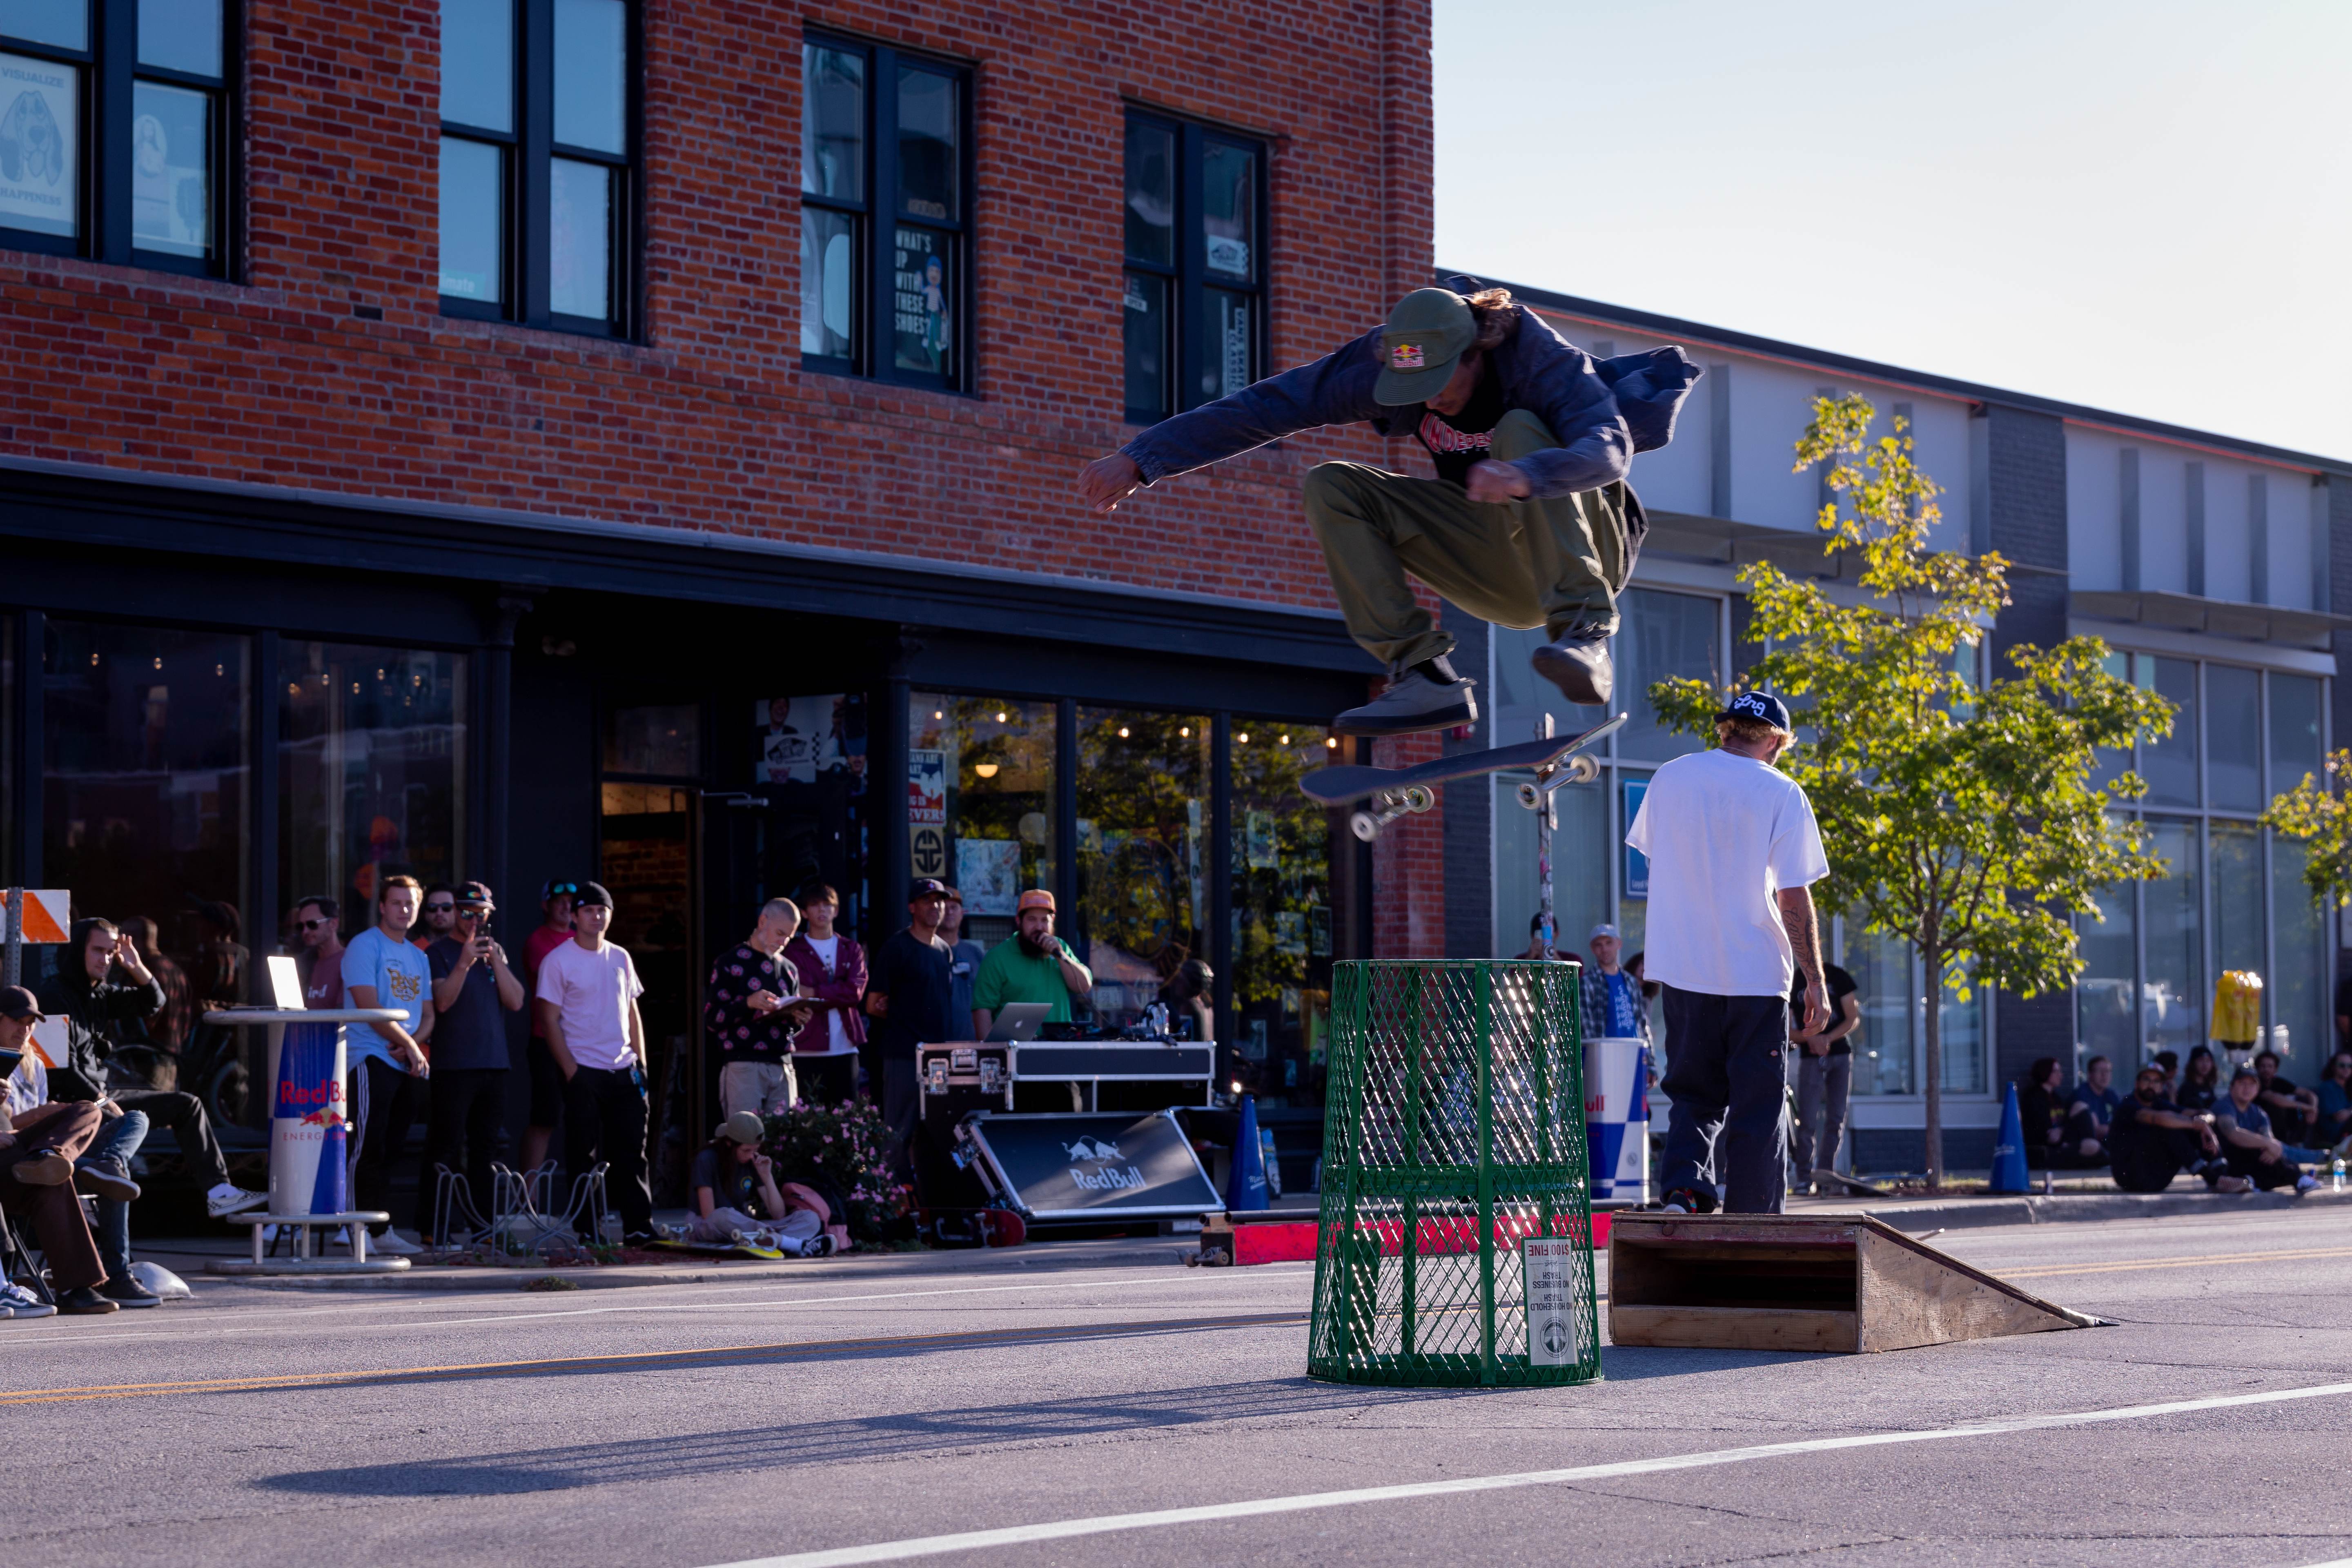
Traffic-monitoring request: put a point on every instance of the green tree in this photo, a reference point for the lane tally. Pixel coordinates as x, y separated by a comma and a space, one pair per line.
1963, 821
2318, 812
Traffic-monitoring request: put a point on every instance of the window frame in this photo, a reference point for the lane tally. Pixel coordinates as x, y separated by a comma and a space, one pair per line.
1187, 279
871, 307
110, 73
527, 156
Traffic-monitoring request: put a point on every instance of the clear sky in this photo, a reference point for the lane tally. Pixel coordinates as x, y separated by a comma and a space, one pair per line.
2143, 205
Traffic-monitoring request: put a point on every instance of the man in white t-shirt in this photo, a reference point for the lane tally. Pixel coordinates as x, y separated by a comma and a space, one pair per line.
1733, 853
588, 993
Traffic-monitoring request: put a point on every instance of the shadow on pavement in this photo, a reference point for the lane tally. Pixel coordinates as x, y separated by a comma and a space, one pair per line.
1631, 1363
832, 1442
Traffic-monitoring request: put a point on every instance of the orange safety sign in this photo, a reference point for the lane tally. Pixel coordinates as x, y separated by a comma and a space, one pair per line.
47, 912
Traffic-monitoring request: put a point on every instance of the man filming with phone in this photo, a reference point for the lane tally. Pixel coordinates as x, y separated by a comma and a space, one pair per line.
474, 987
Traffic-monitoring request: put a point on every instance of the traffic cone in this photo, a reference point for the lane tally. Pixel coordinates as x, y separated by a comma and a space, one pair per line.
1246, 1187
2009, 1149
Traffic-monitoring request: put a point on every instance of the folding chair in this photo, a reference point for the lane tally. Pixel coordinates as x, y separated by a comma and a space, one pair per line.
16, 1266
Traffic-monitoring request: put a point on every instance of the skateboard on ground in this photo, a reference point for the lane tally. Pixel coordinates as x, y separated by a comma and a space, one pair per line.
1390, 793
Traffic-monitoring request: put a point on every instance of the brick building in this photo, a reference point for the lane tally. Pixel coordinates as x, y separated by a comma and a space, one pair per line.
557, 438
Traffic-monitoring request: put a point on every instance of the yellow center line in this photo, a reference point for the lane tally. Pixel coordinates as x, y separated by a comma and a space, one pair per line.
620, 1359
2056, 1270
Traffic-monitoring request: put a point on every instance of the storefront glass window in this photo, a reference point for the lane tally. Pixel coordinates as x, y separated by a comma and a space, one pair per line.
662, 740
1142, 831
980, 802
2106, 995
1281, 913
2296, 744
1963, 1041
2172, 1001
2169, 765
1664, 635
146, 741
2298, 991
2237, 851
2233, 738
8, 749
1881, 967
1579, 867
371, 753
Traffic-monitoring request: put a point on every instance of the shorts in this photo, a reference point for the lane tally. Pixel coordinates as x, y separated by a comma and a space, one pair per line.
546, 1084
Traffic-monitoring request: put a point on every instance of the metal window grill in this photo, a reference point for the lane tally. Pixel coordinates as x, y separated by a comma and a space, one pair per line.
1454, 1131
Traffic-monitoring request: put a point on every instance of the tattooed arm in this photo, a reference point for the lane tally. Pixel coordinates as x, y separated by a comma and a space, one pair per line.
1804, 940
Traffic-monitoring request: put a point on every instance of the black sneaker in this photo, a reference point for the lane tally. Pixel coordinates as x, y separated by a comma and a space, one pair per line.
129, 1293
1578, 663
83, 1301
639, 1239
1690, 1200
105, 1179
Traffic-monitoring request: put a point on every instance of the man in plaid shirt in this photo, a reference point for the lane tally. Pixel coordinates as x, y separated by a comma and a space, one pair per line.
1613, 1008
752, 1013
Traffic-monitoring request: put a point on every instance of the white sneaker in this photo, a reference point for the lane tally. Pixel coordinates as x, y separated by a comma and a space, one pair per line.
2306, 1182
228, 1198
16, 1301
393, 1243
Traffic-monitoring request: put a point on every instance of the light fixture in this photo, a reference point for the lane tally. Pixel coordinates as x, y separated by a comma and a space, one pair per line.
1243, 737
999, 717
986, 770
936, 714
1186, 732
1285, 739
1122, 731
220, 670
1332, 742
159, 661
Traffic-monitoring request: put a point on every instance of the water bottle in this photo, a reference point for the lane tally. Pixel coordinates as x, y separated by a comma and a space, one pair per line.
2337, 1172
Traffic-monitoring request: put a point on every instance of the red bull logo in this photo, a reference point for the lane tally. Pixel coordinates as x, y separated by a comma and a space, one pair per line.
323, 1119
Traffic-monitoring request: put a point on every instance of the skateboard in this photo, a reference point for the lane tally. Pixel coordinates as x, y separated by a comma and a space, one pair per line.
1392, 792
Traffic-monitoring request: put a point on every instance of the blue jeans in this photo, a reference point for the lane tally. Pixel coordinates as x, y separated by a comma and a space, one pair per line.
118, 1139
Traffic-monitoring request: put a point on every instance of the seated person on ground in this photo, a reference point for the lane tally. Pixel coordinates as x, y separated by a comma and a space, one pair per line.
2334, 1095
2201, 1085
2170, 1062
2247, 1141
2042, 1103
2154, 1141
736, 1196
39, 1146
2292, 1111
2092, 1109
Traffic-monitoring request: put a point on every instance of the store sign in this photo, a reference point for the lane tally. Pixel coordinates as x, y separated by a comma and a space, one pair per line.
1548, 1263
1079, 1165
927, 850
926, 788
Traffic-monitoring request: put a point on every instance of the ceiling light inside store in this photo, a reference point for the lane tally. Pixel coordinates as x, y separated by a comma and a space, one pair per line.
1122, 731
1186, 732
986, 770
936, 714
1000, 718
1285, 739
1332, 742
1243, 737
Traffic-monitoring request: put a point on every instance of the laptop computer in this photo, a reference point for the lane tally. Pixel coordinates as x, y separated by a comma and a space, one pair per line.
1018, 1021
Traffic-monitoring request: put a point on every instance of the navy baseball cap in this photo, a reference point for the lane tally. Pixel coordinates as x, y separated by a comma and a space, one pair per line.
1758, 705
591, 894
923, 888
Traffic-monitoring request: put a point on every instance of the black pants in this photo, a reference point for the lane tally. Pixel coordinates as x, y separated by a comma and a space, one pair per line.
2148, 1162
604, 1118
383, 1101
901, 1104
2262, 1172
464, 1130
191, 1128
1725, 1076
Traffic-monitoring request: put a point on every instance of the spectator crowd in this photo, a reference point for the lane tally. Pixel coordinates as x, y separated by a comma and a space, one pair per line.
2252, 1129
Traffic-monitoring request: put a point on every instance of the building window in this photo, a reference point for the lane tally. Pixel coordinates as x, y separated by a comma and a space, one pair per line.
1144, 814
885, 215
2231, 897
980, 802
372, 781
1194, 295
115, 130
145, 808
1281, 872
539, 174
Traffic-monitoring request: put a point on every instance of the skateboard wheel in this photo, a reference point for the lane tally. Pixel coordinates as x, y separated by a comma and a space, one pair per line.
1364, 826
1419, 797
1583, 770
1530, 797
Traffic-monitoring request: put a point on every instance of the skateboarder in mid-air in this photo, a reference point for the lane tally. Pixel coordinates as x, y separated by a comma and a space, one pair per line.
1529, 522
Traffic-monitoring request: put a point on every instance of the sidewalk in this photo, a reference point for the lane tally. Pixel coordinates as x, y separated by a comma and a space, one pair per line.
1916, 1216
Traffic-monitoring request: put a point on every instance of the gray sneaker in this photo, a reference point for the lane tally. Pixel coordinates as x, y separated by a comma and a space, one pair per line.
1412, 703
1578, 663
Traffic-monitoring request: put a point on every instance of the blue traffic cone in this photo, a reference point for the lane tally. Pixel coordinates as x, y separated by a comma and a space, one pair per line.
1246, 1187
2009, 1149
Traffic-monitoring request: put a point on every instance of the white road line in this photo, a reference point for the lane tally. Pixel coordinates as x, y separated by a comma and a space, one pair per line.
697, 1305
1104, 1524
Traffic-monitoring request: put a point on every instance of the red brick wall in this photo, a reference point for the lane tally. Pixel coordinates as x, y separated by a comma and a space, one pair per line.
711, 423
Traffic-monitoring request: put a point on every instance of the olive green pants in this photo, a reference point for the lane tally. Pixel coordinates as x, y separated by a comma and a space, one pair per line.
1556, 563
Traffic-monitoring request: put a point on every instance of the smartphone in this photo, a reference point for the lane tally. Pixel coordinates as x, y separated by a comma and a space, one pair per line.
8, 1061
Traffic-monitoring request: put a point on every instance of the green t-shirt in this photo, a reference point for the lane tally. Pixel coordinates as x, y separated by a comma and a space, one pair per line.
1009, 975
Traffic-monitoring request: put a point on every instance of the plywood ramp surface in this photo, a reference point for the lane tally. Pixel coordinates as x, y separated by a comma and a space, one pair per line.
1810, 1282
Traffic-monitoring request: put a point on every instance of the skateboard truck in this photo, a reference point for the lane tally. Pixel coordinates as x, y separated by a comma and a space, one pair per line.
1578, 769
1388, 804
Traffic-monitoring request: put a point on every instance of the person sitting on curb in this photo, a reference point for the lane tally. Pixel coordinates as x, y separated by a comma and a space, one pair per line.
39, 1146
731, 1177
2246, 1140
2335, 1104
2294, 1111
2154, 1141
2092, 1112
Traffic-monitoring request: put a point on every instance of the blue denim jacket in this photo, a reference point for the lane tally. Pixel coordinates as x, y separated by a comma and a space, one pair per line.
1601, 414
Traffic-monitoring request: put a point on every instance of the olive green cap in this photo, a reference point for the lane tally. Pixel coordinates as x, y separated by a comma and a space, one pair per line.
1427, 331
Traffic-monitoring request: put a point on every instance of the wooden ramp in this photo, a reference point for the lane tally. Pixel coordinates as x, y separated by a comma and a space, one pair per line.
1804, 1282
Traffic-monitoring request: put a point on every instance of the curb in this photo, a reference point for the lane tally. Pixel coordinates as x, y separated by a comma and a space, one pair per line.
1970, 1214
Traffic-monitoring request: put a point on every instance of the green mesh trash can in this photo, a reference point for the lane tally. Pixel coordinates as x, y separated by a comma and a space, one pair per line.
1456, 1242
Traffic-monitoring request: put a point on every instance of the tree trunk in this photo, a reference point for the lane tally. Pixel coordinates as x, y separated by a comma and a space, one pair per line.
1935, 1070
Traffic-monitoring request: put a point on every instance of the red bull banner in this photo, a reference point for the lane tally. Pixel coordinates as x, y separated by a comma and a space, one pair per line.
308, 1142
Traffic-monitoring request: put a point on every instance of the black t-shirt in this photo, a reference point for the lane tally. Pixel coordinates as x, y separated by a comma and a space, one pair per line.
733, 1185
1840, 986
2129, 1131
919, 977
471, 1036
1457, 441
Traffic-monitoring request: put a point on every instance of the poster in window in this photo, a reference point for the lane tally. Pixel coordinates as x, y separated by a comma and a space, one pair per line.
801, 737
988, 875
927, 788
1290, 933
1637, 865
919, 285
1258, 839
40, 114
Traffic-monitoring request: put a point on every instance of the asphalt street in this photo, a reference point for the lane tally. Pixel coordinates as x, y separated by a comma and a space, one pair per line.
716, 1424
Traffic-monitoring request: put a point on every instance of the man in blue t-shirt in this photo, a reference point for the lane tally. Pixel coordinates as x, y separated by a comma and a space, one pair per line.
1613, 1008
382, 968
2247, 1141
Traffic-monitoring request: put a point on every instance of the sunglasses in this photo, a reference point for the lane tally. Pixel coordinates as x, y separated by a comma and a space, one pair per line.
313, 925
438, 908
563, 890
